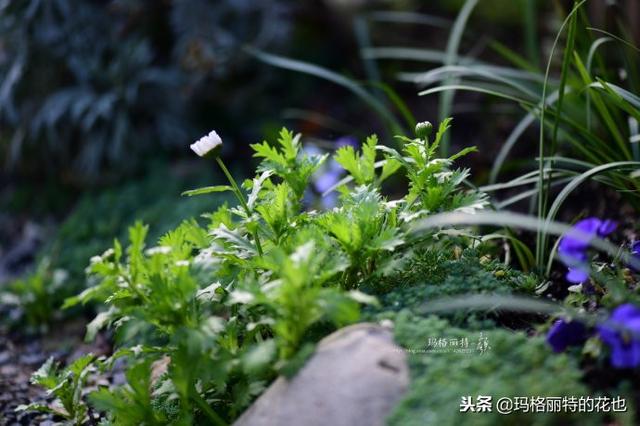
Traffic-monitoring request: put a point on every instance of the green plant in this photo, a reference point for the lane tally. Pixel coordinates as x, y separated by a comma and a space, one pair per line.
587, 112
227, 315
66, 386
430, 274
36, 297
132, 404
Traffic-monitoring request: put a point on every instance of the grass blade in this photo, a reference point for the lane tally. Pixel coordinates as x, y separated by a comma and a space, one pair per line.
398, 17
541, 151
478, 89
411, 54
446, 99
590, 56
575, 182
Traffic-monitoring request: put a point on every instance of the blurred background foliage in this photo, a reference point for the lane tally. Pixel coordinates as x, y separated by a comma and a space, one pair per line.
91, 88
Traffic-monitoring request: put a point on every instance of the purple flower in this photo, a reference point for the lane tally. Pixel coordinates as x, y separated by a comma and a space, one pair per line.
329, 201
331, 173
563, 334
325, 180
573, 246
635, 252
622, 334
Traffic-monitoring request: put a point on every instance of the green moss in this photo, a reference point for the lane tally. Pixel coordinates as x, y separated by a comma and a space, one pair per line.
432, 274
513, 365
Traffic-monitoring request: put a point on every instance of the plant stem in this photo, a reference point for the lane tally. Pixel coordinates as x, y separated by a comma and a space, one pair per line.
240, 197
136, 290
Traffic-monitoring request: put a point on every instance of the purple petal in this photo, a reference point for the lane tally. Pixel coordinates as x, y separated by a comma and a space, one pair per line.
575, 258
607, 227
626, 313
635, 252
621, 334
563, 334
578, 269
326, 180
329, 201
578, 241
335, 167
625, 355
577, 275
312, 150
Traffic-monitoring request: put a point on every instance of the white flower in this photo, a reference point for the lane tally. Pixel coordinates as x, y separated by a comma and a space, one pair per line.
206, 143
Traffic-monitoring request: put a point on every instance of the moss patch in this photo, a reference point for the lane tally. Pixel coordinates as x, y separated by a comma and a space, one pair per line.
512, 365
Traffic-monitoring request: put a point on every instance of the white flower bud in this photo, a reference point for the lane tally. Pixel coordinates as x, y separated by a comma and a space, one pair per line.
423, 129
207, 143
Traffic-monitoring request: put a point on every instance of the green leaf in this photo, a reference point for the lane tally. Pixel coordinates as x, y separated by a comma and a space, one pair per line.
207, 190
463, 152
266, 151
97, 324
259, 356
361, 167
389, 167
47, 375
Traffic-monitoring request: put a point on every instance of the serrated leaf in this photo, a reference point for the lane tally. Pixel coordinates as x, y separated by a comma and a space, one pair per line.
463, 152
257, 186
47, 375
389, 168
97, 324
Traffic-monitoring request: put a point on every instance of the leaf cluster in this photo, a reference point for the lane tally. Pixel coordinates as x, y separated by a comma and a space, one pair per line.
226, 315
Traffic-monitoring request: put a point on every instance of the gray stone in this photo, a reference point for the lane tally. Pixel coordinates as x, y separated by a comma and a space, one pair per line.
355, 378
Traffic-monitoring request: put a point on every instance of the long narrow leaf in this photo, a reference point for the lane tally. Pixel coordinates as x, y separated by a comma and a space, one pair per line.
569, 188
453, 44
541, 148
207, 190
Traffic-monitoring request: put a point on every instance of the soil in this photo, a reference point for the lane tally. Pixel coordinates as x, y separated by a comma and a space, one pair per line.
20, 356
